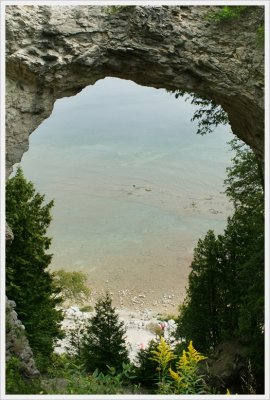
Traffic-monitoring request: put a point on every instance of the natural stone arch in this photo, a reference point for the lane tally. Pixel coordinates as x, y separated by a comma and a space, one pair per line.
55, 51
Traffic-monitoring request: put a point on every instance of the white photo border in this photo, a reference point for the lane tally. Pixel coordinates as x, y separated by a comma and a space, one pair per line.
5, 3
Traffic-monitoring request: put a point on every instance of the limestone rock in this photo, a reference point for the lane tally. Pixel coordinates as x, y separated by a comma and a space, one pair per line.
17, 343
226, 366
55, 51
9, 235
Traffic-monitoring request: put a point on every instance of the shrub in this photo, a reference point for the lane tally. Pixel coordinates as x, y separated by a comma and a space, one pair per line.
78, 381
155, 328
227, 13
73, 285
86, 308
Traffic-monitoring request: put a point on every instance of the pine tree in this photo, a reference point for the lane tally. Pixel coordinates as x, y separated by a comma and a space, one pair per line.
104, 340
200, 314
225, 297
146, 367
28, 282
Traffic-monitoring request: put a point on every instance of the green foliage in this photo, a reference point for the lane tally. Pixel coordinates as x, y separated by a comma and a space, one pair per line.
225, 297
103, 343
244, 182
146, 366
230, 14
67, 375
126, 376
73, 285
200, 314
74, 339
260, 34
209, 114
59, 365
78, 381
28, 282
244, 239
97, 383
227, 13
16, 382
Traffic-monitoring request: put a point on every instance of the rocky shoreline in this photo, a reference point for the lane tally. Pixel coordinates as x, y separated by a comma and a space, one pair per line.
141, 327
145, 314
153, 301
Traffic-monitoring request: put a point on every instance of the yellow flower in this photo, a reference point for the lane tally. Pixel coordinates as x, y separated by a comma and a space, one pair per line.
163, 354
175, 376
194, 354
183, 362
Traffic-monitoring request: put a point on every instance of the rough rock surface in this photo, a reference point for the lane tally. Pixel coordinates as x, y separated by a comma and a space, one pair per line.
9, 235
227, 366
17, 343
55, 51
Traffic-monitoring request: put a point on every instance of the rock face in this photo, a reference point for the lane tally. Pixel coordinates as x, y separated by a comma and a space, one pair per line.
9, 235
16, 342
55, 51
228, 367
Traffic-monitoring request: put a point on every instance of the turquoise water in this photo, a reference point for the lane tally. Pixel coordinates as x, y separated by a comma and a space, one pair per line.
134, 186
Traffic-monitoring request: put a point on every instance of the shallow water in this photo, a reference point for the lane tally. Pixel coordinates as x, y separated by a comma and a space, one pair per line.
134, 186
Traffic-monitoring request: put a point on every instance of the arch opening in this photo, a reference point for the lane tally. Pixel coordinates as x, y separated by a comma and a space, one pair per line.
134, 189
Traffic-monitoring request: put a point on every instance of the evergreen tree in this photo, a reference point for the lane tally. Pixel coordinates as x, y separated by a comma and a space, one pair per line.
225, 297
244, 238
146, 369
200, 314
104, 340
28, 282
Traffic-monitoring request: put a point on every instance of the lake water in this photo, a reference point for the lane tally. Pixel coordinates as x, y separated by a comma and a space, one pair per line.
134, 186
